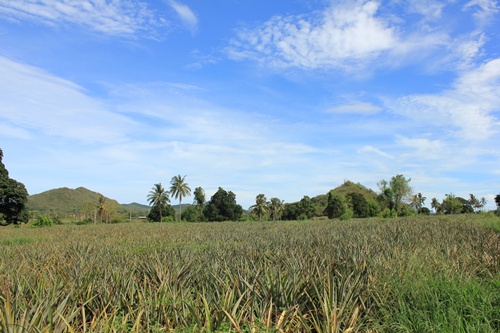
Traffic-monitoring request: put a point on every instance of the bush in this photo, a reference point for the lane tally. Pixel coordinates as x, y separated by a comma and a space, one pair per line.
390, 213
43, 221
348, 214
168, 219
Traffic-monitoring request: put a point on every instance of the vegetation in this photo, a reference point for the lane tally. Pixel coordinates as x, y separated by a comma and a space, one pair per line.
414, 274
178, 189
159, 198
13, 197
222, 207
261, 206
80, 204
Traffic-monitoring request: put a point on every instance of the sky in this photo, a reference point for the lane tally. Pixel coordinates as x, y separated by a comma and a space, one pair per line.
285, 97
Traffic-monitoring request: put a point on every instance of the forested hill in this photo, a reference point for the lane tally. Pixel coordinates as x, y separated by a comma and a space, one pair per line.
66, 201
320, 201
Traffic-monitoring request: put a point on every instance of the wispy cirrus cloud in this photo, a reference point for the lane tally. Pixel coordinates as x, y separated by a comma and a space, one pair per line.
37, 101
123, 18
186, 14
355, 108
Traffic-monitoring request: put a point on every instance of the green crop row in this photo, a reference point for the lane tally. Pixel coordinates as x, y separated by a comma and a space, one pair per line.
419, 274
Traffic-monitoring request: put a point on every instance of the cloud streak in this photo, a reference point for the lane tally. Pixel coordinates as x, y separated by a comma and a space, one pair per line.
123, 18
185, 14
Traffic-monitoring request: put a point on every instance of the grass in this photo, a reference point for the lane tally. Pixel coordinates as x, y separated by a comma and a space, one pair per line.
419, 274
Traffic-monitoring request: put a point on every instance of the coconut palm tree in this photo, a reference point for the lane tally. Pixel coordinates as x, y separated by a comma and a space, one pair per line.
276, 208
436, 205
179, 189
158, 196
260, 207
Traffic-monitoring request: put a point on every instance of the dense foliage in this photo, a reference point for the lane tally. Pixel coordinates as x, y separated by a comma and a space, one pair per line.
418, 274
222, 207
13, 197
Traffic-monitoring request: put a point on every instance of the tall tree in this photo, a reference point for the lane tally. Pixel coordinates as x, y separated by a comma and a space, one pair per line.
276, 208
336, 206
435, 205
158, 197
358, 204
497, 200
396, 192
199, 197
222, 207
418, 201
306, 208
179, 189
476, 203
260, 207
13, 196
101, 206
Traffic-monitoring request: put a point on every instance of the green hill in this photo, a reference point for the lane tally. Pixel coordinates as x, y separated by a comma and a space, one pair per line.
320, 201
65, 201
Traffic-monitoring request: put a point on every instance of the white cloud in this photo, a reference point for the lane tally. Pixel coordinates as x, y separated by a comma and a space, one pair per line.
430, 9
425, 149
372, 150
466, 109
343, 36
186, 14
484, 10
33, 99
124, 18
355, 108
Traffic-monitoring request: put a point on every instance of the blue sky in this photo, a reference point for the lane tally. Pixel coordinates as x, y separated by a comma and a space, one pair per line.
286, 98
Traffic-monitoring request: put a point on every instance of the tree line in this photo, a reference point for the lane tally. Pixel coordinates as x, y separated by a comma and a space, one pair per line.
395, 198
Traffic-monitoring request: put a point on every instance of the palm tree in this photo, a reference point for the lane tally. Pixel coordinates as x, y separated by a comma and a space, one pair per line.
158, 196
260, 207
276, 208
179, 189
418, 201
436, 205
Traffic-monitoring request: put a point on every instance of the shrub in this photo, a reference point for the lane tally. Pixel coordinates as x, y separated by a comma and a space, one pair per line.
348, 214
43, 221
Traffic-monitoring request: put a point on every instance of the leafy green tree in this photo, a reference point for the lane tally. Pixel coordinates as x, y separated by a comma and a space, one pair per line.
454, 205
335, 206
158, 197
161, 213
199, 197
358, 204
193, 214
373, 208
290, 211
276, 208
13, 197
222, 207
179, 188
497, 200
260, 208
306, 208
395, 193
